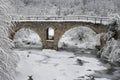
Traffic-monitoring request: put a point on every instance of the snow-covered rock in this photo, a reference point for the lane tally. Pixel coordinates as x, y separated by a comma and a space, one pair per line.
111, 52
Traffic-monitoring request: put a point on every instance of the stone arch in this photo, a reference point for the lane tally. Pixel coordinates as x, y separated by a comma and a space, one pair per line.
72, 28
30, 26
26, 37
18, 26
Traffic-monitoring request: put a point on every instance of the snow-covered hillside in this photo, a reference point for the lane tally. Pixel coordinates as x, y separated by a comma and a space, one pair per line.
69, 7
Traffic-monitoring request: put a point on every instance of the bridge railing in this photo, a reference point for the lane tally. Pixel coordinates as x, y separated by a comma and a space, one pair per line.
94, 19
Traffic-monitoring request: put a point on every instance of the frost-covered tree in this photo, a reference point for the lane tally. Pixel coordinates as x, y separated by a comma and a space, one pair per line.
8, 59
111, 50
69, 7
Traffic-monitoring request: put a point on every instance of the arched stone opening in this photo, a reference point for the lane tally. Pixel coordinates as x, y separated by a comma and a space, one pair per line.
27, 38
50, 32
78, 37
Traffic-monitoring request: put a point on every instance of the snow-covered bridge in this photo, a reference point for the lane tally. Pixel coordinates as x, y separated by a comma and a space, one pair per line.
59, 24
76, 18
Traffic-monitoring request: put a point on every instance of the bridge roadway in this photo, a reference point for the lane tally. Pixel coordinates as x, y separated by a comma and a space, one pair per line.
75, 18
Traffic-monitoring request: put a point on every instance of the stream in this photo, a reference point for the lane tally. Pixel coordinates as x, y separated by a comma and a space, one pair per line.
49, 64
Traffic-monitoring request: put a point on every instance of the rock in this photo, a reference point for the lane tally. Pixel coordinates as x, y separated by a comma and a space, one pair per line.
30, 78
28, 55
80, 62
89, 70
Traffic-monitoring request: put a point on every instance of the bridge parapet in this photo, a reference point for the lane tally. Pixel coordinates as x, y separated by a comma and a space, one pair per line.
76, 18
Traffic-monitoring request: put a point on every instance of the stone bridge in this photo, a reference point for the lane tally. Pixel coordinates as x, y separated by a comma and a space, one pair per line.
60, 25
41, 28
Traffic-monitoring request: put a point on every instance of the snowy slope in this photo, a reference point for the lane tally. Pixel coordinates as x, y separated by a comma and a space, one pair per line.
69, 7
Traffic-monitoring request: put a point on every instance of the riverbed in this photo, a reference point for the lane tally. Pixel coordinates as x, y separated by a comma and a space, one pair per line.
49, 64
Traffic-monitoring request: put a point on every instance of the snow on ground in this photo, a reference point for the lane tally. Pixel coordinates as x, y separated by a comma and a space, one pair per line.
55, 65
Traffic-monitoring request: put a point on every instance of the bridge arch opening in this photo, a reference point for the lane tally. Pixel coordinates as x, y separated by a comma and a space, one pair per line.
78, 37
50, 33
27, 38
